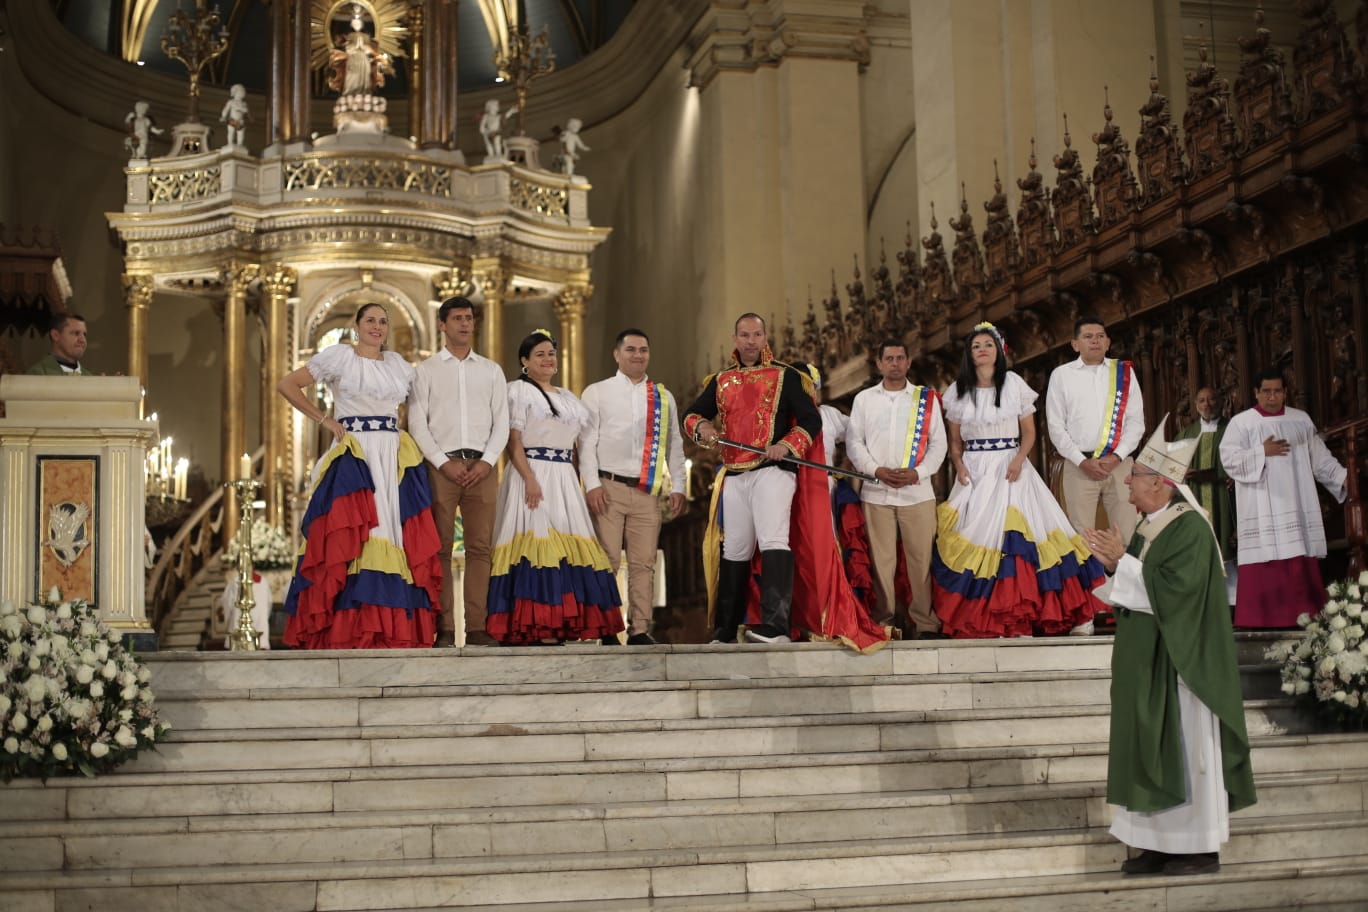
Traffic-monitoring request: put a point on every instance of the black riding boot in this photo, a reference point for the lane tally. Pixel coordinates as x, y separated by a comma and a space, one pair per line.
776, 595
733, 578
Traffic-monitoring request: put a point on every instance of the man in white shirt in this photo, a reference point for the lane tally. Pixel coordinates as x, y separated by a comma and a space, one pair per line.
1276, 457
1096, 419
896, 433
624, 451
458, 415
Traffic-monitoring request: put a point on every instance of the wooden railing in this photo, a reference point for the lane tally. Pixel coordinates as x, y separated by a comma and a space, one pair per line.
1350, 435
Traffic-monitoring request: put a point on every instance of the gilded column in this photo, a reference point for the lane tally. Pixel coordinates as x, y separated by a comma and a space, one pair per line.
570, 308
278, 119
418, 84
237, 276
137, 297
489, 274
301, 35
278, 281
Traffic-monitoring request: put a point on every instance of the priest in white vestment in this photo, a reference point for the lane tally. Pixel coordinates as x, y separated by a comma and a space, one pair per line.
1178, 758
1275, 457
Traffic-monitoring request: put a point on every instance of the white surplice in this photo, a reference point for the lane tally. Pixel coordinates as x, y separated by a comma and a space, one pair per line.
1202, 822
1277, 512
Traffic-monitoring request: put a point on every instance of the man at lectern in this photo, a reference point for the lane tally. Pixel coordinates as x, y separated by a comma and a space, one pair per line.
67, 337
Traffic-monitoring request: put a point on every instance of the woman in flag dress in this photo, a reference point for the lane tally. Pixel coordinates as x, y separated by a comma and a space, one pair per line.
369, 572
1007, 562
550, 579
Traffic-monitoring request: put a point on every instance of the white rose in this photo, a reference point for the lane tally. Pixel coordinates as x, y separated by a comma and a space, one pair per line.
1354, 591
1313, 628
124, 737
125, 715
7, 608
114, 637
1353, 609
84, 674
11, 625
1289, 686
1363, 647
144, 674
89, 658
97, 689
15, 649
12, 745
1339, 622
1327, 665
37, 614
59, 751
35, 690
1335, 643
1363, 578
127, 677
20, 722
130, 692
5, 704
102, 652
110, 671
34, 663
88, 629
1303, 687
1354, 632
44, 724
54, 595
60, 644
99, 749
64, 611
1303, 619
1339, 696
1332, 607
42, 646
145, 695
150, 732
1353, 701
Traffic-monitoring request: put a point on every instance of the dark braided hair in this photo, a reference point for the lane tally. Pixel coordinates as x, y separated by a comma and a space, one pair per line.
533, 339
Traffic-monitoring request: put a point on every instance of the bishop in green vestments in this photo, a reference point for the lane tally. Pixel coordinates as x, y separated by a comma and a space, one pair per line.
1178, 761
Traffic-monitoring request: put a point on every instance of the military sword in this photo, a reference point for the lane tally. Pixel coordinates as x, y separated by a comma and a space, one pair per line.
820, 466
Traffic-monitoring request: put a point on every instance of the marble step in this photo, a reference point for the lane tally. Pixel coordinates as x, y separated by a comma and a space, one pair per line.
515, 832
608, 782
205, 673
352, 747
709, 871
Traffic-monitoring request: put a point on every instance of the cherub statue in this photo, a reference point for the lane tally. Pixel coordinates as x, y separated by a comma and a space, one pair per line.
491, 129
236, 115
571, 145
140, 126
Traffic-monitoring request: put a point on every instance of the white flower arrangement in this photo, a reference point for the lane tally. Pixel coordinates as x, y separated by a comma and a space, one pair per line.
270, 548
1327, 666
72, 699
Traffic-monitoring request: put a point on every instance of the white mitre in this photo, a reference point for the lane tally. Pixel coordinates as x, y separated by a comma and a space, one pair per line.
1168, 459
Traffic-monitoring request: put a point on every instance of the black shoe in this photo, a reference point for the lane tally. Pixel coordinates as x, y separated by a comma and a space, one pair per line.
610, 639
1198, 863
641, 639
1147, 862
445, 639
479, 638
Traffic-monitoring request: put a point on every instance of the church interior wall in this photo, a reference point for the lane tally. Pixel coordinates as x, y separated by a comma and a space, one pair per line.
888, 127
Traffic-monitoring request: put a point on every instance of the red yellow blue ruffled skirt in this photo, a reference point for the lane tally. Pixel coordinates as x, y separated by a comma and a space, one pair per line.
1018, 586
354, 589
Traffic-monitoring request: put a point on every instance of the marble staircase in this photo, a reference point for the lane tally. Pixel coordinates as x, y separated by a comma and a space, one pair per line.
929, 776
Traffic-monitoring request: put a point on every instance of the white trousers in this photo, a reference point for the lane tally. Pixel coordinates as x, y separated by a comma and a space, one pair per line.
755, 511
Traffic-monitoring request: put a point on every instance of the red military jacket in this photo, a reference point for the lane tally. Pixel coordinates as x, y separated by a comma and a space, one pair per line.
759, 405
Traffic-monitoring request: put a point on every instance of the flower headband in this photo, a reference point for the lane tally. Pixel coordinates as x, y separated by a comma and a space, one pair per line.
544, 332
990, 329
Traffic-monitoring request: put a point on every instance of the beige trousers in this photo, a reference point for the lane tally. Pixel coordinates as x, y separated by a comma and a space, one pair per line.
917, 525
476, 504
632, 520
1081, 495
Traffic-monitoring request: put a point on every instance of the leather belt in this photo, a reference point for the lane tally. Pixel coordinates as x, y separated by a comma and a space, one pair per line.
464, 454
620, 479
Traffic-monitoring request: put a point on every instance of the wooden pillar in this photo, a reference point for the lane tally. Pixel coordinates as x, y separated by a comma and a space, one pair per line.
237, 277
137, 298
418, 82
570, 308
446, 124
1237, 309
490, 275
278, 281
1299, 307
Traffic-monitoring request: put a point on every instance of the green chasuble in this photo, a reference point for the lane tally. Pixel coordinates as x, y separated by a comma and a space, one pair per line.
47, 366
1213, 496
1190, 635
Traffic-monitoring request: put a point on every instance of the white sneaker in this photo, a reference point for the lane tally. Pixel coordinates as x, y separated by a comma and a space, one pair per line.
1084, 629
761, 638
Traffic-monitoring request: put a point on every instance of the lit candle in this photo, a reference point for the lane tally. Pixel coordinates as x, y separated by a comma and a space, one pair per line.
688, 479
182, 470
245, 467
